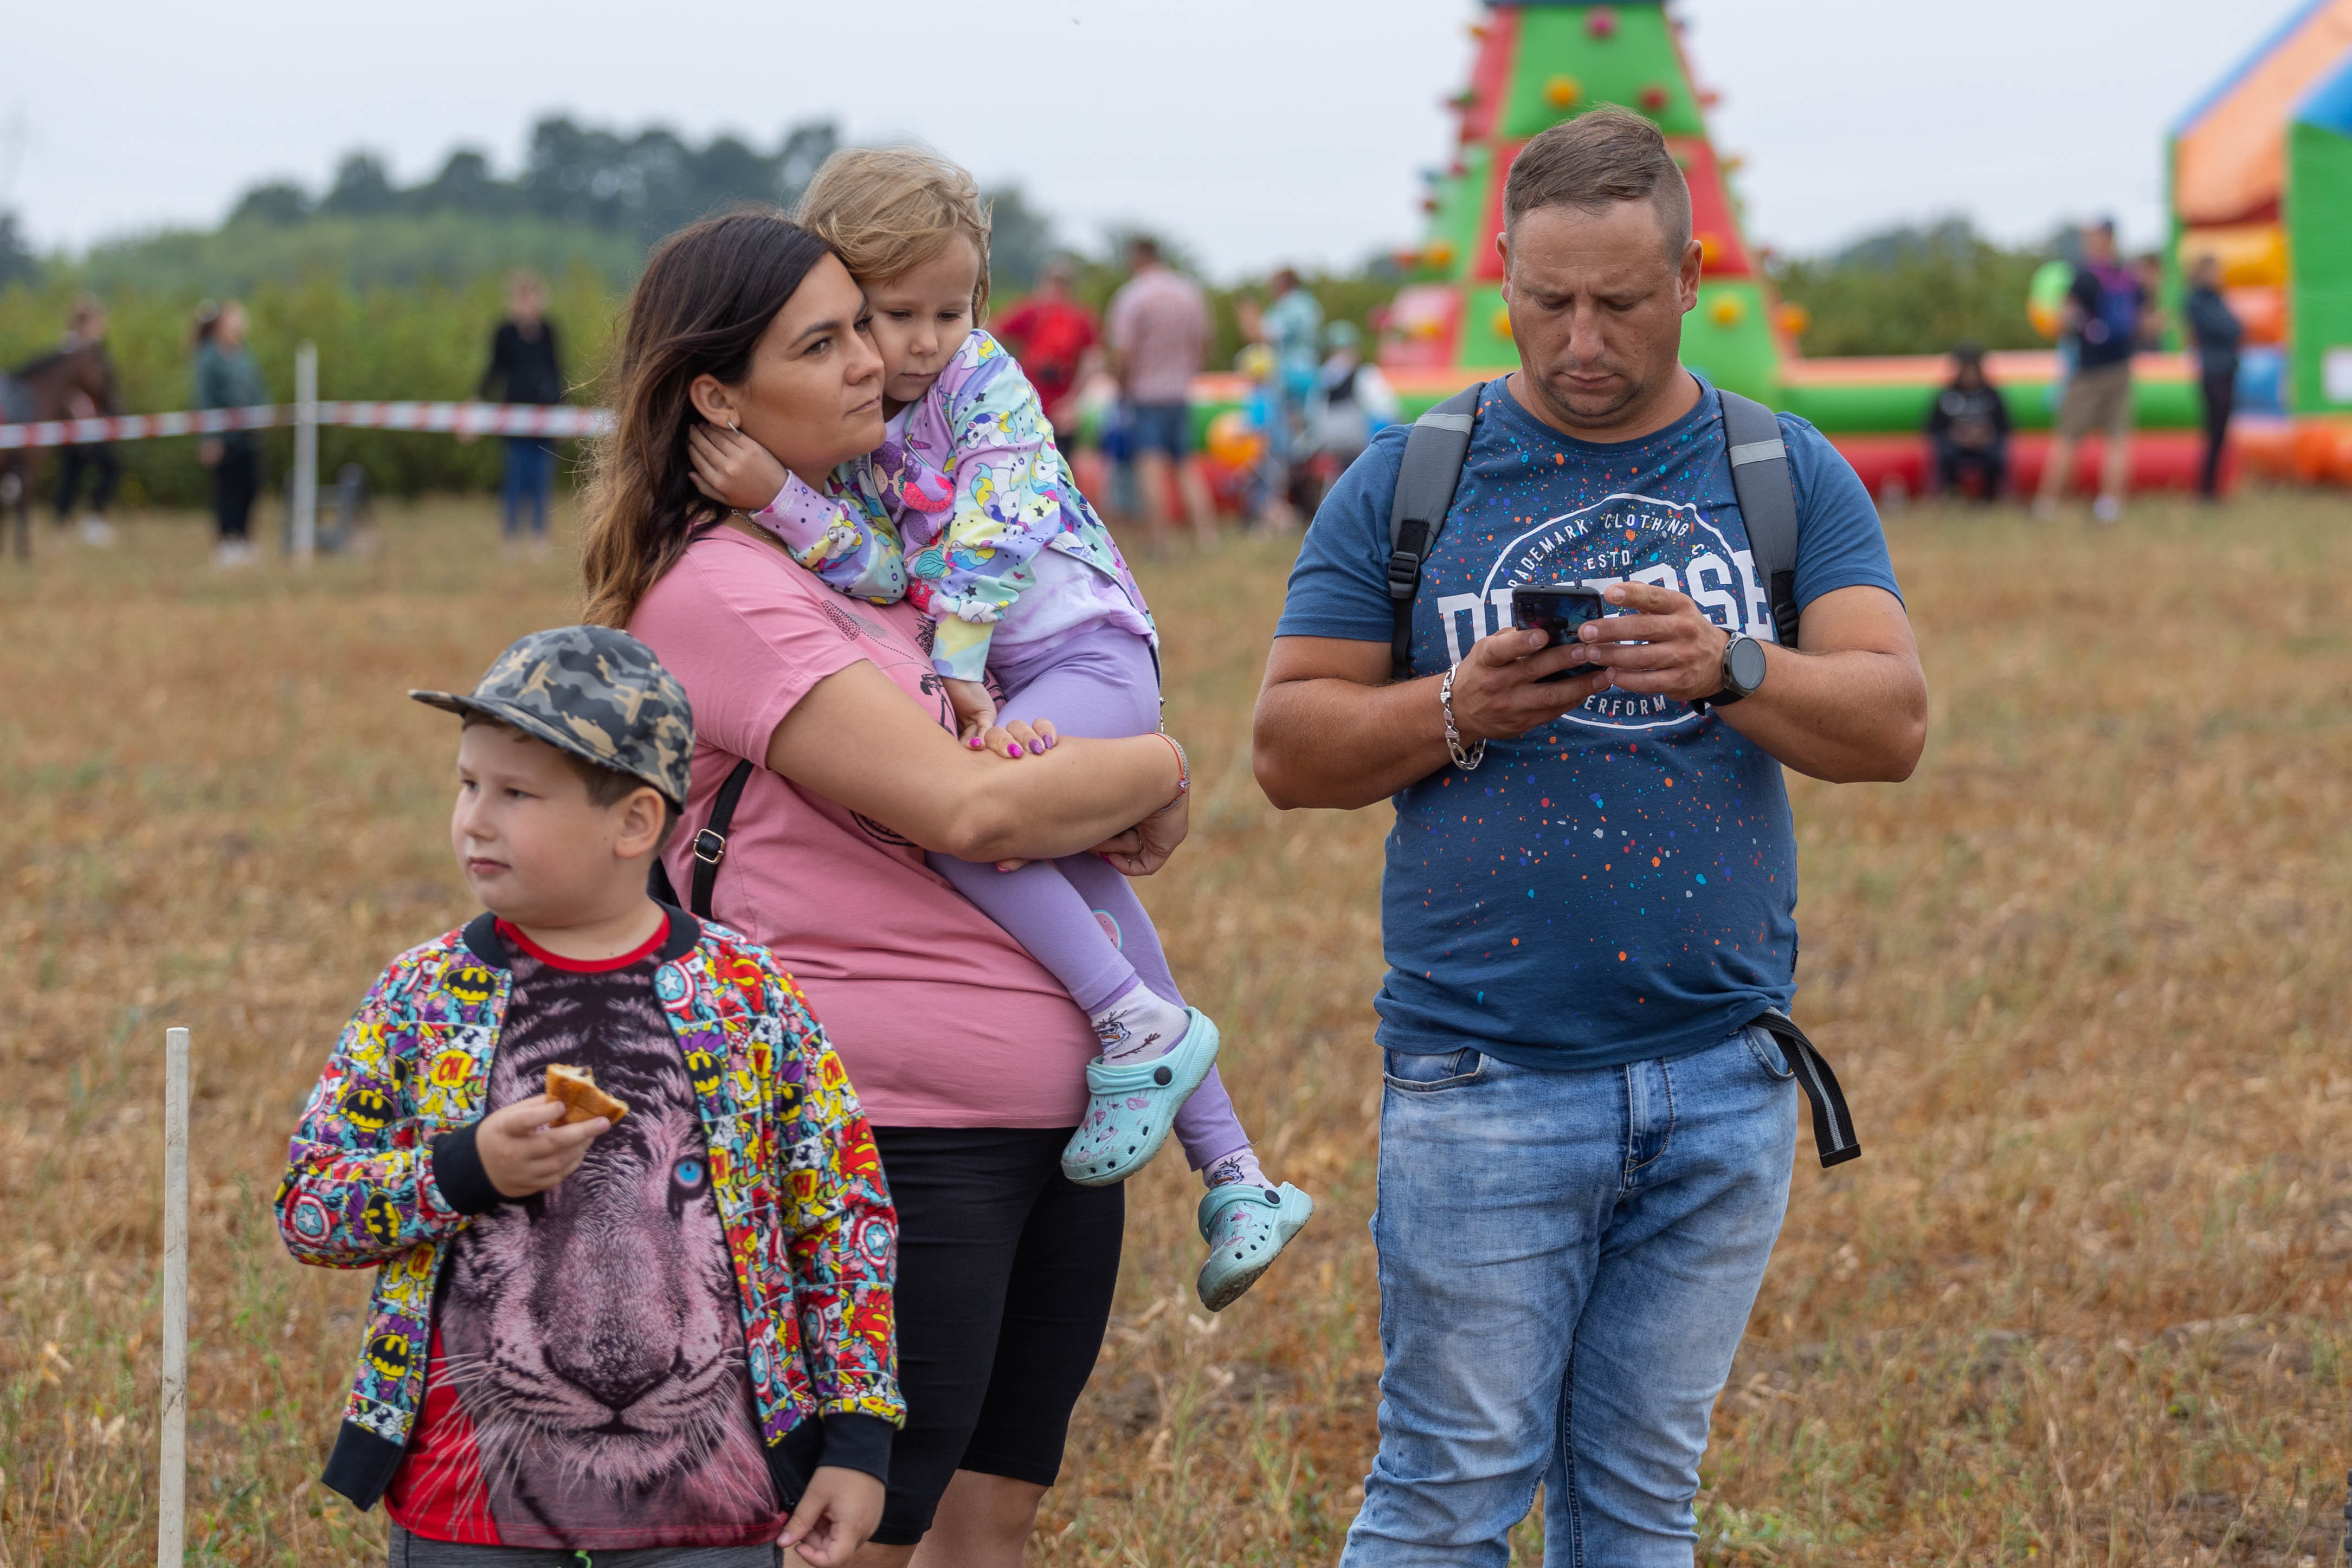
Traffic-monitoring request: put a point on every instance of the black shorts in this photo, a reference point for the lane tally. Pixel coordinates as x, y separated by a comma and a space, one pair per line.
1005, 1274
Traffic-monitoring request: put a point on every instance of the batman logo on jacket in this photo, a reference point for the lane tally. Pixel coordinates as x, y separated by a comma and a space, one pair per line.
366, 1107
472, 984
389, 1353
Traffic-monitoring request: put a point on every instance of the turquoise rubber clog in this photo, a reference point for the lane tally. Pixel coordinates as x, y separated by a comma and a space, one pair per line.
1134, 1104
1247, 1229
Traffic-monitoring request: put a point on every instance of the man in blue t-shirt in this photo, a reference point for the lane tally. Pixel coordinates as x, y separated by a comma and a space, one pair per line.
2107, 314
1591, 888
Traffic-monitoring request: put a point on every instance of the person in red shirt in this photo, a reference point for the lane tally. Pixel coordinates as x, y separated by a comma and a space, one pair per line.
1051, 334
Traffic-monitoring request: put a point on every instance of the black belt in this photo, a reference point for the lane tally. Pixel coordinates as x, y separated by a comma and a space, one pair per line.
1833, 1122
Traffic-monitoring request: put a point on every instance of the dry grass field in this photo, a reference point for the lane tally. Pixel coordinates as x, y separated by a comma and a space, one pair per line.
2084, 1300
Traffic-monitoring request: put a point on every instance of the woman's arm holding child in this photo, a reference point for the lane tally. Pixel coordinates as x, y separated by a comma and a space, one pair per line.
856, 739
851, 551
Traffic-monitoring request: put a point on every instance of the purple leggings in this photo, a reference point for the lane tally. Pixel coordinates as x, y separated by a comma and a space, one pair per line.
1077, 916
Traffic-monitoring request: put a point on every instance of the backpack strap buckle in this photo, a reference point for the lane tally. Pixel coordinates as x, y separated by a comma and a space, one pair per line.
1404, 574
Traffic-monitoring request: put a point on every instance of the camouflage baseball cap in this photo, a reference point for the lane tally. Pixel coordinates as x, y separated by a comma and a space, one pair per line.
597, 693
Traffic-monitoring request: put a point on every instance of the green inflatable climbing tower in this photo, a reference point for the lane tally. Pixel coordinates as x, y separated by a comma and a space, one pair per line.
1538, 64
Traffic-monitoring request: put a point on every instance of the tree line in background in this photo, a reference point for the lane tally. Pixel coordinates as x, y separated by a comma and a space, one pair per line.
642, 186
400, 285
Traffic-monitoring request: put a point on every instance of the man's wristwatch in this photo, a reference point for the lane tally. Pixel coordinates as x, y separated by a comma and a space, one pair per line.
1743, 671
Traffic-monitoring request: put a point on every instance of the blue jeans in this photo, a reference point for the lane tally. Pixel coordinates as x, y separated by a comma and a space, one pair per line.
1568, 1260
529, 480
1159, 427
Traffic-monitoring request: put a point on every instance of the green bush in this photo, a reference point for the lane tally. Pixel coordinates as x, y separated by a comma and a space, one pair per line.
395, 250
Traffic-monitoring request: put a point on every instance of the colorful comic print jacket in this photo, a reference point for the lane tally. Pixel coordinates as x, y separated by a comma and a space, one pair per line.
383, 1172
951, 511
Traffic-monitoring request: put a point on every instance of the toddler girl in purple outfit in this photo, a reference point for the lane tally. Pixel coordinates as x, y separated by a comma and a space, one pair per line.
969, 509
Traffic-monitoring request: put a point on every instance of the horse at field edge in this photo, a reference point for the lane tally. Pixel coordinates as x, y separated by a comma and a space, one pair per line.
63, 384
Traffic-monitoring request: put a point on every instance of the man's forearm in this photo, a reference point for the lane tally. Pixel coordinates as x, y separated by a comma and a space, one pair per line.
1338, 744
1333, 731
1850, 717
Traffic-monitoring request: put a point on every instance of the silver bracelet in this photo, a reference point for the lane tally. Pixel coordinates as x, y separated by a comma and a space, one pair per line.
1465, 760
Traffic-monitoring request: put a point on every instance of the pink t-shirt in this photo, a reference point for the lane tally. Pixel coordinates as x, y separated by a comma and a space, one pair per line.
1159, 321
942, 1019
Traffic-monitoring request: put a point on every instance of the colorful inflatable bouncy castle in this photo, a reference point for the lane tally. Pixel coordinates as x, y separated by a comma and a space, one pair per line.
2260, 172
2260, 180
2237, 158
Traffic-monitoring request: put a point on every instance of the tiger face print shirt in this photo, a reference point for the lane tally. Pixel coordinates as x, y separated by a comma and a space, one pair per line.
587, 1386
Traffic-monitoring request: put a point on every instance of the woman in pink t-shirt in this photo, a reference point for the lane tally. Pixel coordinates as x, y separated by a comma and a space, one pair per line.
968, 1057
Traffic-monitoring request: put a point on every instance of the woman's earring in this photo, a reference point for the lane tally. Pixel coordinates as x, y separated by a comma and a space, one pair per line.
732, 426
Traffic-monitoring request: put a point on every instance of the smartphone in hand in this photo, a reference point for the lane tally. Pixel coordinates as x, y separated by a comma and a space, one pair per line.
1558, 609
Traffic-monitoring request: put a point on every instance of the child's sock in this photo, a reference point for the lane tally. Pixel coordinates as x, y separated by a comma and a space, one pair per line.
1138, 1025
1239, 1165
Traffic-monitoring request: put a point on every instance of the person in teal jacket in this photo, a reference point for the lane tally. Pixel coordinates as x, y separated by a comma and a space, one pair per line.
226, 377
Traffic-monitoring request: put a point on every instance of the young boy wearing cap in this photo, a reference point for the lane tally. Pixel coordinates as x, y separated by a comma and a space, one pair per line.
650, 1336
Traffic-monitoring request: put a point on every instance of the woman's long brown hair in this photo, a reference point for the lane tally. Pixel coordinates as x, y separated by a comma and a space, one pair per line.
706, 299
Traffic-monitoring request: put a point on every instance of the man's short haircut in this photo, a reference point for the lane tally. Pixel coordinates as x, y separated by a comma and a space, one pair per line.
1145, 247
1594, 161
606, 785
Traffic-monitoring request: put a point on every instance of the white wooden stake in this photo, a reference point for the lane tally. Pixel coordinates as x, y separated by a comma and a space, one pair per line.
306, 449
171, 1531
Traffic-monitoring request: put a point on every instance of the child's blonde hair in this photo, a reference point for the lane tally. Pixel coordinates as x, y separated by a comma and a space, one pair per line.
889, 210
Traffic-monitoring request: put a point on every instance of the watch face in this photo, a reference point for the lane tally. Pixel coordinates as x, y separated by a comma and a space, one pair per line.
1743, 663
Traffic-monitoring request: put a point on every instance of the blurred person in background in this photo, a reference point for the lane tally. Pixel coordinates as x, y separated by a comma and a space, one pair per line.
1968, 426
1353, 400
1052, 336
1158, 332
524, 369
2218, 332
226, 377
85, 333
2106, 315
1290, 324
1265, 484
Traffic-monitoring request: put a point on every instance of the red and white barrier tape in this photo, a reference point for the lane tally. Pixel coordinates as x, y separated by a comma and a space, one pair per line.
471, 418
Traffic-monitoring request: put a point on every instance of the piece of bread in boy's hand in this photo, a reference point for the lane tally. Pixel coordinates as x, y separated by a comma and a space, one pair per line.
576, 1087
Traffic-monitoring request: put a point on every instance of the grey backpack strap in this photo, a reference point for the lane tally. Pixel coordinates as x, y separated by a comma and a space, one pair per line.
1833, 1136
1434, 451
1768, 503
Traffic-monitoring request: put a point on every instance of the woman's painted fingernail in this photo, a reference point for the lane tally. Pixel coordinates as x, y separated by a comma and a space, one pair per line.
1051, 741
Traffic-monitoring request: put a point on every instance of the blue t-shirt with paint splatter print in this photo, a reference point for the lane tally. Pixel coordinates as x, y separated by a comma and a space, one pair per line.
1620, 883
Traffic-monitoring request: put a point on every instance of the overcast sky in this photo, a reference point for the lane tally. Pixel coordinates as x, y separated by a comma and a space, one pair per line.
1252, 130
